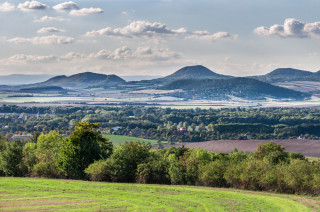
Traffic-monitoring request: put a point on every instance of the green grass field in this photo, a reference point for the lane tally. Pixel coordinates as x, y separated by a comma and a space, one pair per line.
30, 194
120, 139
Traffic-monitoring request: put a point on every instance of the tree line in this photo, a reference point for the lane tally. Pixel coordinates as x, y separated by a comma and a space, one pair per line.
85, 154
165, 123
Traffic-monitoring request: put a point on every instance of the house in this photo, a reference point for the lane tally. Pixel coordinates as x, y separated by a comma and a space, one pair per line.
116, 128
183, 131
248, 135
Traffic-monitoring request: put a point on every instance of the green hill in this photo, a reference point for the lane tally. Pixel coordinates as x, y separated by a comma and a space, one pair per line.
27, 194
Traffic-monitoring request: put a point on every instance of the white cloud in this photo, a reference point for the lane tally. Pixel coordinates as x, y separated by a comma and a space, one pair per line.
73, 56
49, 30
85, 11
291, 28
138, 29
141, 53
145, 29
6, 7
31, 58
32, 6
205, 35
52, 39
49, 18
121, 53
69, 5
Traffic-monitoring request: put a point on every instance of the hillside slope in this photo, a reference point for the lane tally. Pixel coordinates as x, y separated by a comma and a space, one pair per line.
195, 72
239, 87
32, 194
287, 75
82, 80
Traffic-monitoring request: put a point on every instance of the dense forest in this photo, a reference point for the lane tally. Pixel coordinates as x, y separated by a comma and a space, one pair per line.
86, 155
166, 124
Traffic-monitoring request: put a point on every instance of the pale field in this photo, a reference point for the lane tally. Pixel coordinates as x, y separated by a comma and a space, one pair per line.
116, 97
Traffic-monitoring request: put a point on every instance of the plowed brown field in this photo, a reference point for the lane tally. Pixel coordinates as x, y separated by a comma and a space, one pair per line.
310, 148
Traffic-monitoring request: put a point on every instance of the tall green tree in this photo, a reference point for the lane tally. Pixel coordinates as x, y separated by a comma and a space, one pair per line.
83, 147
11, 159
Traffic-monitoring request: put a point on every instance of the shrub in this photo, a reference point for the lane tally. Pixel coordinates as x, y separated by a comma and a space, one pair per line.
212, 174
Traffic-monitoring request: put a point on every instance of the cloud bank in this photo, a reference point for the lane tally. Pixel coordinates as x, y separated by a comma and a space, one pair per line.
291, 28
147, 29
121, 53
52, 39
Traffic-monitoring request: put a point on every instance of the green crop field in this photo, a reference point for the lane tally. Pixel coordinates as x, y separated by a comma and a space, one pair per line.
30, 194
120, 139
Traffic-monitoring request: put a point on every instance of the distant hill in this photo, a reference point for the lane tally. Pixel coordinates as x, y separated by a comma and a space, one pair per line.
45, 89
287, 75
188, 72
195, 72
20, 79
239, 87
82, 80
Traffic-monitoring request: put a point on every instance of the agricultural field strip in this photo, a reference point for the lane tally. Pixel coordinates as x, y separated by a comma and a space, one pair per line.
80, 195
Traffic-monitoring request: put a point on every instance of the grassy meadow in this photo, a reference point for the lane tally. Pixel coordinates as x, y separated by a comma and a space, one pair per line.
31, 194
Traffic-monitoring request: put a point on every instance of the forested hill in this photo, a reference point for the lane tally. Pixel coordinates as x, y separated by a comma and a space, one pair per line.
287, 75
83, 80
195, 72
239, 87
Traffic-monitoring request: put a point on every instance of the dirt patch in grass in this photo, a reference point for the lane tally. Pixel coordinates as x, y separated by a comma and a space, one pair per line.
309, 148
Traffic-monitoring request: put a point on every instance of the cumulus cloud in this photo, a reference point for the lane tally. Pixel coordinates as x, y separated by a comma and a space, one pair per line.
138, 29
6, 7
49, 18
85, 11
124, 53
205, 35
32, 58
291, 28
156, 29
68, 5
141, 53
32, 6
52, 39
73, 56
49, 30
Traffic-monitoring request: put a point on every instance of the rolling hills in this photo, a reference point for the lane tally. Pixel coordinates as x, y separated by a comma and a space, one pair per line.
239, 87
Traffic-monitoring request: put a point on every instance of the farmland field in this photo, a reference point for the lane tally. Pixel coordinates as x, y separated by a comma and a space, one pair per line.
120, 139
51, 195
309, 148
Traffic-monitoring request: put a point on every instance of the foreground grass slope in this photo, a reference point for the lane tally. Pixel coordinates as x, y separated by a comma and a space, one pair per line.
41, 194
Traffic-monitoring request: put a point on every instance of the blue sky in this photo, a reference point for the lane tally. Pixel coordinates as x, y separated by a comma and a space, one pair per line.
157, 37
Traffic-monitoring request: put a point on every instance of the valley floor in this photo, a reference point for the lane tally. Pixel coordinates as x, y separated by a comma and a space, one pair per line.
29, 194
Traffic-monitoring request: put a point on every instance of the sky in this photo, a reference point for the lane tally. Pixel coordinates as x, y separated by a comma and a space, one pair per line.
158, 37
